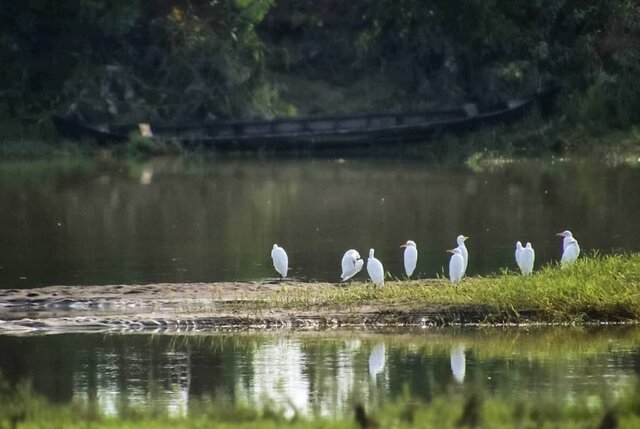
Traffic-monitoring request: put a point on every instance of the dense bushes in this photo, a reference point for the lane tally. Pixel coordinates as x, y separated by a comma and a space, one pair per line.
136, 59
199, 59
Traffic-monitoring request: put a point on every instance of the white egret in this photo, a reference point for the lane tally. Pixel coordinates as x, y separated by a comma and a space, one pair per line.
567, 236
280, 260
375, 269
463, 251
351, 264
410, 257
571, 252
519, 249
527, 258
456, 265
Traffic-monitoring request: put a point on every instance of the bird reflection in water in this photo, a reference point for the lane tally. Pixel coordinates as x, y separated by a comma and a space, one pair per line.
458, 363
376, 360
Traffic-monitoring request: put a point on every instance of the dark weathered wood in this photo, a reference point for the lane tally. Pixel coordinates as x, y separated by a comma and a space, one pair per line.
313, 132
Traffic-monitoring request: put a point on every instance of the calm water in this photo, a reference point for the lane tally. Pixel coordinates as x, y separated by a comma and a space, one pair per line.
212, 220
323, 372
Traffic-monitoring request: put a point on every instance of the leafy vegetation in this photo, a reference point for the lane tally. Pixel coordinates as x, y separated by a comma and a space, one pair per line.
195, 60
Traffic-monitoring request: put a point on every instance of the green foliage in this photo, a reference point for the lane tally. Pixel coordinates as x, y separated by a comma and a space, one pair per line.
199, 60
134, 60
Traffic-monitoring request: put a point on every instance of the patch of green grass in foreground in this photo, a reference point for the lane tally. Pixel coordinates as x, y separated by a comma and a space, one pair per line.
21, 408
597, 287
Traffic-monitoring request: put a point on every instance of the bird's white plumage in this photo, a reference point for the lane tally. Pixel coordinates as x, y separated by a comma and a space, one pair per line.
570, 253
351, 264
410, 257
527, 258
519, 249
456, 265
463, 252
375, 269
280, 260
567, 237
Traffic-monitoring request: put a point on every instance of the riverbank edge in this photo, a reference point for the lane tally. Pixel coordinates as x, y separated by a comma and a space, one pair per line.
595, 290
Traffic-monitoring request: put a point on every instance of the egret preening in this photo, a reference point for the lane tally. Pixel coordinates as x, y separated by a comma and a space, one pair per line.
567, 236
463, 251
280, 260
410, 257
351, 264
571, 252
375, 269
527, 258
456, 265
519, 250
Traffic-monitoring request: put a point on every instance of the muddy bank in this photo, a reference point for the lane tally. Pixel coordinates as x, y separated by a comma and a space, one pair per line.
218, 306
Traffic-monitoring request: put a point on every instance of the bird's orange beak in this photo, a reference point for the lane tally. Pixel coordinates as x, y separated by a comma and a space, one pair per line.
450, 250
560, 234
404, 245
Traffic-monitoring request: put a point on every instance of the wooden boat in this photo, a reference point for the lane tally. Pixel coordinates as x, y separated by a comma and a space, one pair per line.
311, 133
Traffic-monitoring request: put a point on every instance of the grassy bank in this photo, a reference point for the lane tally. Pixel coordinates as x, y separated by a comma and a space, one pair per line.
596, 288
24, 409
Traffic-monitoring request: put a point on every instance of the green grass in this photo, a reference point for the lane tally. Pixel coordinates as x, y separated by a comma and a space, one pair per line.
21, 408
595, 288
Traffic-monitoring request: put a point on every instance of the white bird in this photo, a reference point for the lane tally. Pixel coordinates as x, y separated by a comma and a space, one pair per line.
567, 236
519, 250
351, 264
280, 260
375, 269
527, 258
463, 251
571, 252
410, 257
456, 265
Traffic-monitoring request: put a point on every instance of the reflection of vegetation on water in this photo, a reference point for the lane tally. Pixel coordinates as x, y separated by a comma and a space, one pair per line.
322, 373
21, 407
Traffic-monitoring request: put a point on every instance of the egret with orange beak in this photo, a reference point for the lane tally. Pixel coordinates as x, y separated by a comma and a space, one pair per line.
456, 265
463, 251
410, 257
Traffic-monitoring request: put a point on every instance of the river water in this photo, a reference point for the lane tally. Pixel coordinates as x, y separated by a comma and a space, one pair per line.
215, 219
324, 373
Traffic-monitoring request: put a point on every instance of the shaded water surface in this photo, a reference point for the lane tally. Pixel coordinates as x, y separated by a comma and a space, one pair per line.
326, 373
176, 220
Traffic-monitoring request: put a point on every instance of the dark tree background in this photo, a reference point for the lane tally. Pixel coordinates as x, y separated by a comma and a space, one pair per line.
198, 60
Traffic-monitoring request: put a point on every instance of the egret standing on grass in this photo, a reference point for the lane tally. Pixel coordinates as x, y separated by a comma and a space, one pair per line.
456, 265
527, 258
375, 269
351, 264
410, 257
570, 253
519, 250
463, 252
280, 260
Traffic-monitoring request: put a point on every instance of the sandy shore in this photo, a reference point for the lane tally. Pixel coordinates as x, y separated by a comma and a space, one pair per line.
200, 306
